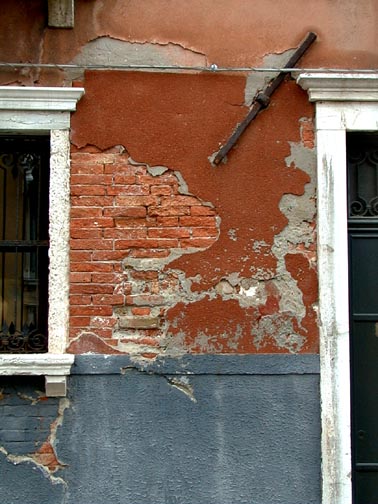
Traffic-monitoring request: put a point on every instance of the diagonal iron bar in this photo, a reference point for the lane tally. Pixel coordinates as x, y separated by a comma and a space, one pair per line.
262, 99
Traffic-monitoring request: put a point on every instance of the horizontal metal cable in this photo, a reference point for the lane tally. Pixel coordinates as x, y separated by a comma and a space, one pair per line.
211, 68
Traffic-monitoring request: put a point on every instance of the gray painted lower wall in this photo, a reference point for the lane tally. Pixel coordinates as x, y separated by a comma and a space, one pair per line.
196, 430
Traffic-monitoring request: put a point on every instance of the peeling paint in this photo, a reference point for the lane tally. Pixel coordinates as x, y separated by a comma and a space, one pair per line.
183, 384
45, 457
106, 50
256, 81
280, 329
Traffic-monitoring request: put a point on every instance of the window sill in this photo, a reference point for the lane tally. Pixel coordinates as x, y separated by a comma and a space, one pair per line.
55, 368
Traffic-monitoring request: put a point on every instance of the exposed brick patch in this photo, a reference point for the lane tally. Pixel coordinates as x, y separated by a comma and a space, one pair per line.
307, 132
46, 456
90, 343
127, 223
29, 422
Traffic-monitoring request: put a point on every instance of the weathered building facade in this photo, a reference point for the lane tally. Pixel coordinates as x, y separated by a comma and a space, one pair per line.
197, 313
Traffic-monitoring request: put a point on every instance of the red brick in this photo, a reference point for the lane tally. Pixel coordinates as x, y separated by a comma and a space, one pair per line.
79, 256
91, 289
86, 157
104, 277
153, 243
166, 178
141, 341
78, 244
92, 201
98, 267
111, 299
80, 299
152, 253
198, 221
180, 200
124, 179
146, 179
122, 166
149, 355
167, 221
126, 234
136, 200
203, 232
168, 211
168, 232
103, 322
85, 233
87, 168
105, 334
202, 210
131, 211
108, 255
90, 190
46, 448
99, 222
144, 275
111, 341
196, 242
125, 190
79, 321
80, 277
162, 190
126, 222
91, 310
140, 310
94, 157
86, 212
91, 179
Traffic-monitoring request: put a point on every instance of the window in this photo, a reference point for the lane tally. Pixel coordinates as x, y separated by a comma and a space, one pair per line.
28, 113
345, 103
24, 200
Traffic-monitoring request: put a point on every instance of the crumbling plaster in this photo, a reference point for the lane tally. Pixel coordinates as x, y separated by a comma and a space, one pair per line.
22, 443
254, 289
226, 33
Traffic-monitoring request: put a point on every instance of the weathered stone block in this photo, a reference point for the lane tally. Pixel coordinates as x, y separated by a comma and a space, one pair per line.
138, 322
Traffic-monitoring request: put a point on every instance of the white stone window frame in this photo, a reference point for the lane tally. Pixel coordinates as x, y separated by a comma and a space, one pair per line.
47, 110
344, 102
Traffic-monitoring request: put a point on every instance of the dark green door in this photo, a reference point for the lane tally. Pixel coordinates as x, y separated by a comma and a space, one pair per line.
363, 274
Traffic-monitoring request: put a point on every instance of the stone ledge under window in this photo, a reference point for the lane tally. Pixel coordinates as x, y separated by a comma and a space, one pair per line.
55, 368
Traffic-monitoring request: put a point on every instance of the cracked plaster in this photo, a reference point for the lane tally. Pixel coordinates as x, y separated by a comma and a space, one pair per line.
256, 81
296, 237
106, 50
42, 463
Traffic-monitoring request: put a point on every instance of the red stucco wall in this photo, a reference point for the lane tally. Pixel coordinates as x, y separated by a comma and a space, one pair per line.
170, 254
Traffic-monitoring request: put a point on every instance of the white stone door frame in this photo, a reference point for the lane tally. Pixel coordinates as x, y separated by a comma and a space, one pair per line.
344, 102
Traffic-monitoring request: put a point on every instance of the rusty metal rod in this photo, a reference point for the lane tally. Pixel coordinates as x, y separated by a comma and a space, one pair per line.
263, 98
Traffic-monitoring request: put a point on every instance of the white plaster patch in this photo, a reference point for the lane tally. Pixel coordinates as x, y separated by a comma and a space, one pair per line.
256, 81
114, 52
232, 234
250, 292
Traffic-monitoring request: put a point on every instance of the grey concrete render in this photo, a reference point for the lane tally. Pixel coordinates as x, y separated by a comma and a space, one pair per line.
136, 437
200, 364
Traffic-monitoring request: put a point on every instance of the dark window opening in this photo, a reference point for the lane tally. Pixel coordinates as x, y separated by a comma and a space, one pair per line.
362, 151
24, 203
362, 155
